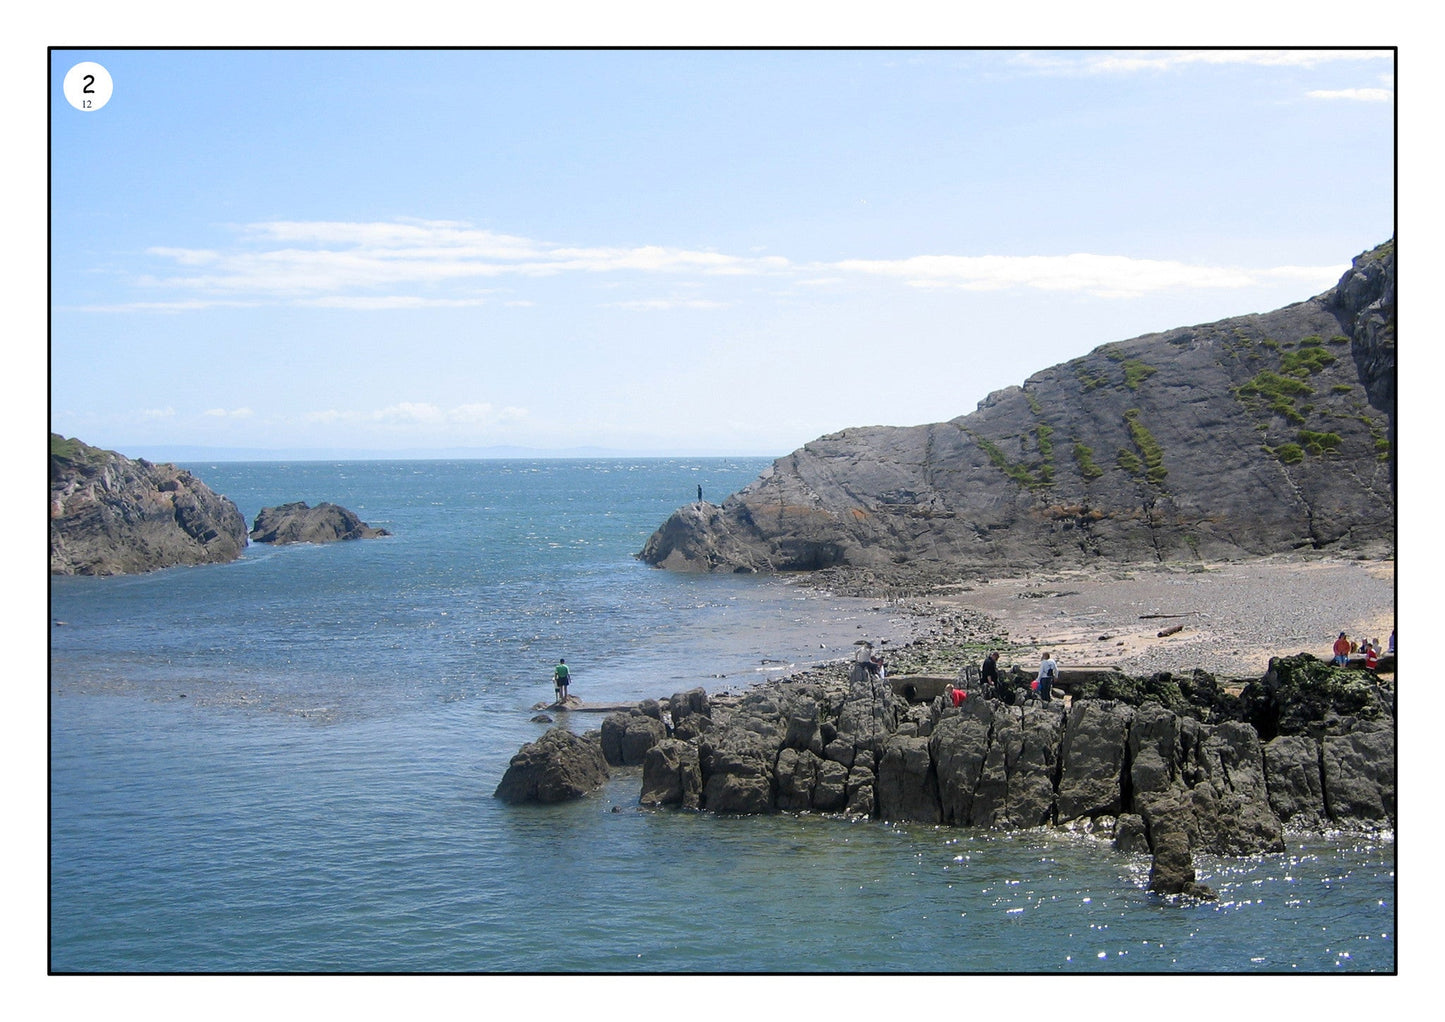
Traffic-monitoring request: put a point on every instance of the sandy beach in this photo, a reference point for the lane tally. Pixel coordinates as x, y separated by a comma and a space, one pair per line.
1233, 616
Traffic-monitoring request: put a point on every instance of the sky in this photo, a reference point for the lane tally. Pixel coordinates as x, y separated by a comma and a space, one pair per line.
691, 251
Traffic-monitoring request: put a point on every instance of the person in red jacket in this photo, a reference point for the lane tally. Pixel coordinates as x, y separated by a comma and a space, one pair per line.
1342, 650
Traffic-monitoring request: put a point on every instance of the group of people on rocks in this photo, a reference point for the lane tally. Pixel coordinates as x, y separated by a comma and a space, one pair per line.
1041, 688
1370, 649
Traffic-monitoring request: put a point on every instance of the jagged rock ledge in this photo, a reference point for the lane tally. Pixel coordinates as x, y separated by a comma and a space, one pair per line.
299, 523
1183, 769
110, 515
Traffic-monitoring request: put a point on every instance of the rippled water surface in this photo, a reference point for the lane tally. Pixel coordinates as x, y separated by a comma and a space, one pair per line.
286, 764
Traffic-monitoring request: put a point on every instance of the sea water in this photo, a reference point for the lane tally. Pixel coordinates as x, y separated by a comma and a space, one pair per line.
286, 764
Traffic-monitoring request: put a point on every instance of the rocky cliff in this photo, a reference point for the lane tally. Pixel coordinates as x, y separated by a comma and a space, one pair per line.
110, 515
1254, 435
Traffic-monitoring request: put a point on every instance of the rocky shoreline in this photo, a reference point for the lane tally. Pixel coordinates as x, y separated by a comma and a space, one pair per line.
1170, 761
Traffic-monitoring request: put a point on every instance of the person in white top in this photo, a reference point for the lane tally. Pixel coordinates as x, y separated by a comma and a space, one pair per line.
1048, 674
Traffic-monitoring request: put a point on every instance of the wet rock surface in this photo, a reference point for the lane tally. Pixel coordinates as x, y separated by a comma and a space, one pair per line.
1157, 772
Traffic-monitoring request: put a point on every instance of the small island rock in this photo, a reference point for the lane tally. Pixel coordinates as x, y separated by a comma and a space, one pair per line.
299, 523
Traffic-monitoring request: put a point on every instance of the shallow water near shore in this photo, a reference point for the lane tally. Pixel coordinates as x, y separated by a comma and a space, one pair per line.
286, 765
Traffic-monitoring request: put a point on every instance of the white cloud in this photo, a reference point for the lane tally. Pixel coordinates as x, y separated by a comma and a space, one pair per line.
234, 413
186, 305
157, 413
416, 414
1365, 95
347, 264
410, 411
335, 263
1133, 61
371, 303
1101, 275
651, 304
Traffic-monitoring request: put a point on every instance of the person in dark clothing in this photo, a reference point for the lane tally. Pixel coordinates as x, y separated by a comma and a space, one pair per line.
988, 677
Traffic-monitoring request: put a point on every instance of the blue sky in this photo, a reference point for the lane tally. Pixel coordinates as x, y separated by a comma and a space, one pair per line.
683, 251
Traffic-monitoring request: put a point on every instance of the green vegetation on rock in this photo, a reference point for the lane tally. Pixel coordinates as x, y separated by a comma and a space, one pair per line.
1149, 448
1020, 474
1089, 379
1129, 462
1319, 443
1136, 372
1306, 361
1084, 458
1288, 454
75, 451
1279, 392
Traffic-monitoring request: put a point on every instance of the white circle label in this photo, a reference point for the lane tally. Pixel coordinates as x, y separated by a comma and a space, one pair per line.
88, 86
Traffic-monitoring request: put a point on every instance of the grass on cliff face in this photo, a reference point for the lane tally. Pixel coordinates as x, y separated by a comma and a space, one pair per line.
1020, 474
1153, 454
1136, 372
75, 452
1084, 456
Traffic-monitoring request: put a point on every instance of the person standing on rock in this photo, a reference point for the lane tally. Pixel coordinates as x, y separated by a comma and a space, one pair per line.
699, 493
1048, 672
561, 678
1342, 651
988, 676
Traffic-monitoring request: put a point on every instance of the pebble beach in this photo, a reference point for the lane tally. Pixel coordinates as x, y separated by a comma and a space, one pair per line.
1232, 617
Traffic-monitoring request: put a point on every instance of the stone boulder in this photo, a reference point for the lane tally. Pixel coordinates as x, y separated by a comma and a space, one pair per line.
1130, 836
1093, 758
737, 771
1173, 869
907, 787
693, 702
1228, 793
1016, 786
558, 767
1296, 787
797, 772
627, 737
959, 746
110, 515
1359, 776
672, 775
298, 523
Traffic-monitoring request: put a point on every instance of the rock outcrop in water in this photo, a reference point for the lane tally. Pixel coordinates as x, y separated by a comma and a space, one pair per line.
299, 523
1254, 435
1307, 747
110, 515
558, 767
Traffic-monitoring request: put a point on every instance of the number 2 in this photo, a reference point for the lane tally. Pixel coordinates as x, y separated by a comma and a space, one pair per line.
89, 81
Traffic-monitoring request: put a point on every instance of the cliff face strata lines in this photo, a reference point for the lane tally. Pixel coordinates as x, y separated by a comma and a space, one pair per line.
110, 515
1254, 435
